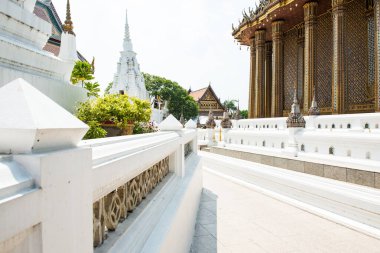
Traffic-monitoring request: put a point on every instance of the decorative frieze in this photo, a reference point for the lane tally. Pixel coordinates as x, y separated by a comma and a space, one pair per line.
310, 18
277, 68
260, 36
113, 208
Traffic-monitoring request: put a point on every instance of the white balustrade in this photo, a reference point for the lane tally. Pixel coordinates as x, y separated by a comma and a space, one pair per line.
60, 194
353, 136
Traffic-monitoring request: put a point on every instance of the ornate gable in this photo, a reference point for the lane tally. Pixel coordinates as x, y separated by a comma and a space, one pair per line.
209, 100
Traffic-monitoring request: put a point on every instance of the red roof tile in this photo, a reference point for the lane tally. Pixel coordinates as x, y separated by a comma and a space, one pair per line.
52, 48
198, 94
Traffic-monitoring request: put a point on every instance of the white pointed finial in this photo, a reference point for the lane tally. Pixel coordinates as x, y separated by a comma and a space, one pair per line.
127, 36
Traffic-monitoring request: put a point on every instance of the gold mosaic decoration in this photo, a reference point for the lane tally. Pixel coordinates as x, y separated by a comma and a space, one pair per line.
356, 52
324, 60
290, 66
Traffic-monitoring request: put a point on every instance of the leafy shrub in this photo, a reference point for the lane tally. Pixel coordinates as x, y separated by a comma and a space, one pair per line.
117, 109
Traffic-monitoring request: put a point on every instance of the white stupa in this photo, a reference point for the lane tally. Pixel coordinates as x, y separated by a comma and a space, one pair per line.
128, 77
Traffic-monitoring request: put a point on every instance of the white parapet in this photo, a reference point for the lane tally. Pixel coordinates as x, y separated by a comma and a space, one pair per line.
65, 188
351, 136
191, 124
170, 124
30, 121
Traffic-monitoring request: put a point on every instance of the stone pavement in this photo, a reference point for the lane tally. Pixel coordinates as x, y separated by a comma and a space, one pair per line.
232, 218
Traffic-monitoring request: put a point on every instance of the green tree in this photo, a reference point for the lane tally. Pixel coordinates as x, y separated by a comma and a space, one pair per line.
230, 106
107, 90
244, 114
178, 98
93, 89
82, 71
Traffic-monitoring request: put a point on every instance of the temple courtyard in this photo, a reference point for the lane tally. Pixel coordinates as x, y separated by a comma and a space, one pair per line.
239, 218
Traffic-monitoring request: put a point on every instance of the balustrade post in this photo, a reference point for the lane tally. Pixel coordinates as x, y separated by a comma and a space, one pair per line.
61, 171
177, 159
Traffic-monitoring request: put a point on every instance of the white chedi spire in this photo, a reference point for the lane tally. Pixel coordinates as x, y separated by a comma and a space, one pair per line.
128, 78
127, 36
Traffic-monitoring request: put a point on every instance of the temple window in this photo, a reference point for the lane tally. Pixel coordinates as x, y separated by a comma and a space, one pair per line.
348, 126
368, 155
366, 126
303, 148
331, 150
348, 153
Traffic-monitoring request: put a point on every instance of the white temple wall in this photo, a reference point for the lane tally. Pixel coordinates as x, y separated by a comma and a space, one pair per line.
66, 95
355, 137
22, 37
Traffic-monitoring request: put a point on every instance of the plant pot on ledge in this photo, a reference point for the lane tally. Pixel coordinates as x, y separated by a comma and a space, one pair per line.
113, 130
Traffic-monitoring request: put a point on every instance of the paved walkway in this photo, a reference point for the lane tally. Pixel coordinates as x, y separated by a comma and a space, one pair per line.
232, 218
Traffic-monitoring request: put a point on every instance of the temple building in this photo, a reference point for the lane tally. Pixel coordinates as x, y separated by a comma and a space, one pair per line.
45, 10
37, 47
128, 78
327, 49
207, 100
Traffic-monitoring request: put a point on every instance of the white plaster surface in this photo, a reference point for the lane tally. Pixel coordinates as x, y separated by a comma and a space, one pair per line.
170, 124
13, 179
191, 124
235, 219
349, 140
349, 204
22, 37
30, 121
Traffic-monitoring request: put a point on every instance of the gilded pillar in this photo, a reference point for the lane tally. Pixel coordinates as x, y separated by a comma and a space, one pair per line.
300, 63
251, 103
377, 54
339, 72
277, 68
268, 79
310, 17
260, 73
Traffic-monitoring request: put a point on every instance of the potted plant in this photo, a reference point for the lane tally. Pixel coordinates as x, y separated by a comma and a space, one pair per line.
114, 113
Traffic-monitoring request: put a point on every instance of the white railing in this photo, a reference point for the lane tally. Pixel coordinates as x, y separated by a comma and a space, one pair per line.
355, 136
74, 197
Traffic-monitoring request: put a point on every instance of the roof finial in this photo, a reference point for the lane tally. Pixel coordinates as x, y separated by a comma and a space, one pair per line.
68, 25
295, 118
314, 110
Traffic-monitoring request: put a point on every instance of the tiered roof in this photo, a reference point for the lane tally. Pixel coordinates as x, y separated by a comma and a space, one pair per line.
46, 11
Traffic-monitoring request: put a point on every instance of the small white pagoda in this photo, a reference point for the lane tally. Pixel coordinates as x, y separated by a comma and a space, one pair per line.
128, 78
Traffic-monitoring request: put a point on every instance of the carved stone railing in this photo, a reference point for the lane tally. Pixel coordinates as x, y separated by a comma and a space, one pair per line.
113, 209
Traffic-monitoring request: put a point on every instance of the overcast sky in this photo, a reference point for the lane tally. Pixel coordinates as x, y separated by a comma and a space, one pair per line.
188, 41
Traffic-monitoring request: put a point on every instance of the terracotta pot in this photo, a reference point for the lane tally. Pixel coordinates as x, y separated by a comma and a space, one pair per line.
113, 130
